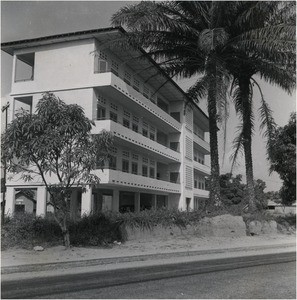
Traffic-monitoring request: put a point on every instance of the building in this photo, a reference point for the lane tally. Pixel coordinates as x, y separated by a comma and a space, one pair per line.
160, 151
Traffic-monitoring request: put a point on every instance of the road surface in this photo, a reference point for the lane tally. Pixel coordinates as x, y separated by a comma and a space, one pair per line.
264, 276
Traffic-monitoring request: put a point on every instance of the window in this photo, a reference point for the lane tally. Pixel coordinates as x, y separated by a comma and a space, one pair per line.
125, 165
115, 67
145, 160
146, 92
113, 116
144, 171
136, 84
126, 154
195, 183
100, 164
152, 136
127, 114
112, 162
152, 162
114, 150
174, 177
113, 106
134, 156
144, 132
127, 77
24, 69
24, 103
101, 112
152, 172
126, 123
134, 168
174, 146
101, 64
135, 127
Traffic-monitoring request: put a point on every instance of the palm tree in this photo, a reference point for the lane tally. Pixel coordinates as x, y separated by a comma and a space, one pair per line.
270, 40
216, 40
183, 38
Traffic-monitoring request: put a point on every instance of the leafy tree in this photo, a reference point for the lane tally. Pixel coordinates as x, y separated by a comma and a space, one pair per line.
232, 190
55, 144
217, 39
282, 155
260, 195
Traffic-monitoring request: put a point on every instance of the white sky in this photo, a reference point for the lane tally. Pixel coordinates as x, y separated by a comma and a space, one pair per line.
30, 19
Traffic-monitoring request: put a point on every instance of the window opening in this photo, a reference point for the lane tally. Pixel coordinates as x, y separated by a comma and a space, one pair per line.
24, 67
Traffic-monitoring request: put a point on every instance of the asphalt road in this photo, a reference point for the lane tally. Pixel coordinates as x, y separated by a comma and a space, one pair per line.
270, 276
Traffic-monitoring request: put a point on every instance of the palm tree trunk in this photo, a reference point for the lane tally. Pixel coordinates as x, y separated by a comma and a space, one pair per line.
244, 85
214, 194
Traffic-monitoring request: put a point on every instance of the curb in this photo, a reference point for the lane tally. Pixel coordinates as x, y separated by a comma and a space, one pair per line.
125, 259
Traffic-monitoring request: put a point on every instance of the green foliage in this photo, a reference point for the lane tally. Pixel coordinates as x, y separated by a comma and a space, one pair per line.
282, 155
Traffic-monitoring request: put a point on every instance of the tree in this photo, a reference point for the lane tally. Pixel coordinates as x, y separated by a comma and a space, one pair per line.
270, 52
55, 144
282, 155
216, 40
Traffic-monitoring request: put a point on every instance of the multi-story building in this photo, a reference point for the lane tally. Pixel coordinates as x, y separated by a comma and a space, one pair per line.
160, 150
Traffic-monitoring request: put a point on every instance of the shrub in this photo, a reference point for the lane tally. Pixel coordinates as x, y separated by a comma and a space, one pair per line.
286, 220
25, 230
95, 230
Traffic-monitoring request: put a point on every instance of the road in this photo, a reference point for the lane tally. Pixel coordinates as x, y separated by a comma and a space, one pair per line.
270, 276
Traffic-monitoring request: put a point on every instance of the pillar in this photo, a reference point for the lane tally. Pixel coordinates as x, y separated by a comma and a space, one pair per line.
137, 201
86, 201
41, 201
115, 200
73, 204
10, 201
154, 201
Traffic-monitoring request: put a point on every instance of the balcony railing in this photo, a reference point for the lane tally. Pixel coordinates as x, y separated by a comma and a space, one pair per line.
135, 138
116, 177
203, 144
201, 168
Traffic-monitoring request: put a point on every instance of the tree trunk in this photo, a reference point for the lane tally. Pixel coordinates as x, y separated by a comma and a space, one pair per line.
244, 85
65, 231
215, 196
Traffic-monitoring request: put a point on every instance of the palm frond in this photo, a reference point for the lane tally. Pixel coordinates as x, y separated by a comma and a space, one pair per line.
237, 147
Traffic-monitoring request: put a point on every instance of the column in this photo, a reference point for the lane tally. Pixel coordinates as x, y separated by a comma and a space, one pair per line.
137, 201
86, 201
10, 201
73, 204
41, 201
115, 200
154, 201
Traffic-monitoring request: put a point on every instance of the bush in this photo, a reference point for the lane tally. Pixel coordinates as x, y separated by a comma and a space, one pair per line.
26, 231
286, 220
95, 230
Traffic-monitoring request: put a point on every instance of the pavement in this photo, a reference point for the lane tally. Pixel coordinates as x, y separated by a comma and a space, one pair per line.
18, 264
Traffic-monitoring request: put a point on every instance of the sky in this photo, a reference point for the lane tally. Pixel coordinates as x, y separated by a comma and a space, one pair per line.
31, 19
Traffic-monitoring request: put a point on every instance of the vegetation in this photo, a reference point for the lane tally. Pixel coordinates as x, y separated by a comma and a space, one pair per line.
282, 156
220, 40
55, 141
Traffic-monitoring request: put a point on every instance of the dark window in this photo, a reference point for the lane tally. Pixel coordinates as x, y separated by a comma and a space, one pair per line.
174, 177
112, 162
144, 171
25, 67
162, 105
174, 146
101, 112
134, 168
135, 127
126, 123
113, 116
152, 136
144, 132
125, 165
152, 172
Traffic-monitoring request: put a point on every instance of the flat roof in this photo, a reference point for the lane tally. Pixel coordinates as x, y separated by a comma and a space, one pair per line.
10, 47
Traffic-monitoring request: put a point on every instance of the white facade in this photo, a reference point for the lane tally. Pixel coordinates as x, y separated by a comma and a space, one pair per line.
160, 152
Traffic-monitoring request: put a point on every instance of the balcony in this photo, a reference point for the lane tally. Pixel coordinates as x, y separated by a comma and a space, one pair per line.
204, 146
115, 177
127, 137
110, 79
201, 193
201, 168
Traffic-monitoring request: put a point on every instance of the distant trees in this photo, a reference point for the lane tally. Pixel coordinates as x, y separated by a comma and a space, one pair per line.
282, 154
56, 145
